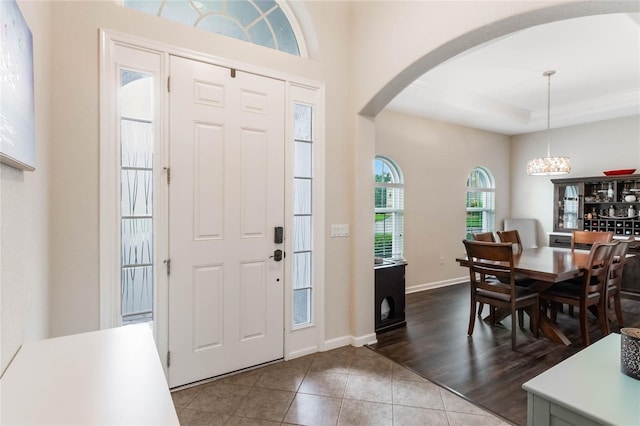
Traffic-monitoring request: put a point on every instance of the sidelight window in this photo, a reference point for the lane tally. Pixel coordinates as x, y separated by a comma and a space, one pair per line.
136, 195
302, 214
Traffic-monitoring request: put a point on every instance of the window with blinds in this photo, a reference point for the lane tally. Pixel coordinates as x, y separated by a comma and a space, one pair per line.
481, 215
389, 210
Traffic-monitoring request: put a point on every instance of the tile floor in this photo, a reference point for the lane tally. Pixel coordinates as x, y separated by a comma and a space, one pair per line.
345, 386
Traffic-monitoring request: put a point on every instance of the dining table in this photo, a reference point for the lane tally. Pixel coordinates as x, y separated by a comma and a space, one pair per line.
546, 266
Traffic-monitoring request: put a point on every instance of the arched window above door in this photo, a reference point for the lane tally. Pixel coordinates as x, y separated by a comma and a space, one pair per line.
267, 23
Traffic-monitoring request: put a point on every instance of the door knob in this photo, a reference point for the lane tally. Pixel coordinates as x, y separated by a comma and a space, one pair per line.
277, 255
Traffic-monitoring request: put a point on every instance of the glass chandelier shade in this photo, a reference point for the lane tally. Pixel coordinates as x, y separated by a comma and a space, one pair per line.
549, 165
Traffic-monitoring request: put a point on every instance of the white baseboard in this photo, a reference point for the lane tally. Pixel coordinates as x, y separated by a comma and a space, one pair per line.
356, 341
437, 284
301, 353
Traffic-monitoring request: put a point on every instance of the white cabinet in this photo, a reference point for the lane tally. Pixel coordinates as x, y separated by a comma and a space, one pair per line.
585, 389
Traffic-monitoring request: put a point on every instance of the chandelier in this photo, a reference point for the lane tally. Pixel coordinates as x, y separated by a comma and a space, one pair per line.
549, 165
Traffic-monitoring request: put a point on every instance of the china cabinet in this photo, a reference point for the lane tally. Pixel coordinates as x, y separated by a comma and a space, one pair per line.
606, 203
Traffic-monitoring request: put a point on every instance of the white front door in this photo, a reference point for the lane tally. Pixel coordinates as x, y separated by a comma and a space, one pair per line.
226, 196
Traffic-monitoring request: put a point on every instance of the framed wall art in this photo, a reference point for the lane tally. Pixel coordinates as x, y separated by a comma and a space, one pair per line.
17, 100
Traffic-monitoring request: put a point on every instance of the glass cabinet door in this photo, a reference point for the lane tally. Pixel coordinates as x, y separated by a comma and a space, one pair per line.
567, 204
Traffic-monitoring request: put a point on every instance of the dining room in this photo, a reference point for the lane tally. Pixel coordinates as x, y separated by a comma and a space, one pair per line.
438, 157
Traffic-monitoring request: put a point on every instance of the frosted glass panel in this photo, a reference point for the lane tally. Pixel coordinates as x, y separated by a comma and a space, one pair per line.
137, 241
302, 306
301, 270
302, 167
136, 192
303, 213
137, 290
137, 107
137, 143
301, 233
302, 196
302, 131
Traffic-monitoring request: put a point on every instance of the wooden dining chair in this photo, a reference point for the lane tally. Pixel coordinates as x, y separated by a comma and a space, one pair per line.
488, 259
582, 239
484, 236
590, 237
614, 282
488, 237
513, 237
586, 293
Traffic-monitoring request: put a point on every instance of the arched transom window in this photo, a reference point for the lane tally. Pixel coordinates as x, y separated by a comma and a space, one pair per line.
481, 204
262, 22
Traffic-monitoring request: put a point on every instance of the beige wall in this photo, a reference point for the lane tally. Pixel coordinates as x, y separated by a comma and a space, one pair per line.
593, 148
436, 159
75, 299
25, 215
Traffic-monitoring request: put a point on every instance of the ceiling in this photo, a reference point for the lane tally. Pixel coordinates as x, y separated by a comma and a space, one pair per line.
499, 86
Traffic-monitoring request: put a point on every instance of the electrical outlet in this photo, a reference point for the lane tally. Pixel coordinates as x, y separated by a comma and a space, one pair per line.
442, 260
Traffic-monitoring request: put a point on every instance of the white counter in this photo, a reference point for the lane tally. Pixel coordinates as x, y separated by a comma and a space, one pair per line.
105, 377
585, 389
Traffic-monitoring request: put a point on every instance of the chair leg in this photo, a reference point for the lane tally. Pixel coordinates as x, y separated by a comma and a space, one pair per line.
480, 307
584, 328
521, 318
554, 311
618, 306
570, 310
472, 316
535, 320
604, 320
513, 331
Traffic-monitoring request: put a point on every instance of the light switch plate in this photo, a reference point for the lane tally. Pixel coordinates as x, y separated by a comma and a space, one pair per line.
340, 230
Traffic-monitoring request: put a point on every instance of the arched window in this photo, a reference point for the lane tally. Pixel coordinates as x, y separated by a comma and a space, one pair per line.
262, 22
481, 204
389, 209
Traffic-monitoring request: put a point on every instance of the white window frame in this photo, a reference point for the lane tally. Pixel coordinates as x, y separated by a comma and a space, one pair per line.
121, 51
306, 338
397, 241
487, 212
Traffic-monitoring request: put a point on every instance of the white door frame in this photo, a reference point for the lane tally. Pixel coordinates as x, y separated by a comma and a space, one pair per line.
297, 342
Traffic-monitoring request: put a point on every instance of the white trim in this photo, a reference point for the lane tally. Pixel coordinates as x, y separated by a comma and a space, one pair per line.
436, 284
356, 341
295, 26
108, 215
110, 279
312, 334
300, 353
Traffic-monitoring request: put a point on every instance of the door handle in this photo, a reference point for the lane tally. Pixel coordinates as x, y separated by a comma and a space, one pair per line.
277, 255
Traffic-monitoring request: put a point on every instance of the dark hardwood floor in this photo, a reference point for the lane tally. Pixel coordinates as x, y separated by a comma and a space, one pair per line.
481, 368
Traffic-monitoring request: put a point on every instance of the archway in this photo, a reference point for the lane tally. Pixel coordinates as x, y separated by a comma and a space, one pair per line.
364, 152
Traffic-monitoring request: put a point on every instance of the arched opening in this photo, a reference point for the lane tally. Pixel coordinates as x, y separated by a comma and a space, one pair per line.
484, 34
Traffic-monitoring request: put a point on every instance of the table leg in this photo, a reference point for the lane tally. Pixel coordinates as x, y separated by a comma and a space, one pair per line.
551, 330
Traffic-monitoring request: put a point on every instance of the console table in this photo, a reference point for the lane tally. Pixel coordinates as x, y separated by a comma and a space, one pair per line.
586, 389
105, 377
